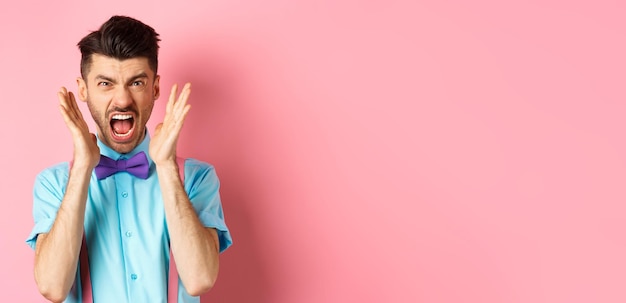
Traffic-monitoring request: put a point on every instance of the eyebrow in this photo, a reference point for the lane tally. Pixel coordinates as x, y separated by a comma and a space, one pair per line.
105, 78
138, 76
108, 79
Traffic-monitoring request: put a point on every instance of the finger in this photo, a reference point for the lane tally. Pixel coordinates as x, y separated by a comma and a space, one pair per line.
63, 103
61, 98
69, 122
66, 101
71, 107
178, 125
61, 93
172, 99
74, 114
174, 123
182, 100
79, 114
65, 115
184, 95
184, 114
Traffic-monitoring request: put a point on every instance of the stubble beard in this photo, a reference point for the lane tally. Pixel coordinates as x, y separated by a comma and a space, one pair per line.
104, 130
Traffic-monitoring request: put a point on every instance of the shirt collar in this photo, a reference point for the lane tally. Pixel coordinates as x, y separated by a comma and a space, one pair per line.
142, 147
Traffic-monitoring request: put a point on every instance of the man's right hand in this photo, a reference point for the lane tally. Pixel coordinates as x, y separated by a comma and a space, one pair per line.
86, 150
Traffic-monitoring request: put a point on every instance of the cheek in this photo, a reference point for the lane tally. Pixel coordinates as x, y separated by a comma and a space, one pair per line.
97, 114
96, 106
145, 107
98, 98
150, 108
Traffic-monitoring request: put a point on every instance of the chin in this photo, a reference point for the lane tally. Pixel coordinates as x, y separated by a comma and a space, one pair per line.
123, 147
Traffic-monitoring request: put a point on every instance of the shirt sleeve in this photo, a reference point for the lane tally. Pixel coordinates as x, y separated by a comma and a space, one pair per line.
202, 186
48, 193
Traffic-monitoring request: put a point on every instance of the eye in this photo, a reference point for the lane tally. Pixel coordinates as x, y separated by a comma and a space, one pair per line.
137, 83
104, 83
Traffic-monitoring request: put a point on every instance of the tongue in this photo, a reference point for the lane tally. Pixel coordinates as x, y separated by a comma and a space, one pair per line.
121, 126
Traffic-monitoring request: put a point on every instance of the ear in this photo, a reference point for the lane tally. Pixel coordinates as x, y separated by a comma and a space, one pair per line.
82, 89
157, 88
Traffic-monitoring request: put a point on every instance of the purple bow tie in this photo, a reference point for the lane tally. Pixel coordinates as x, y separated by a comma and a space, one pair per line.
137, 165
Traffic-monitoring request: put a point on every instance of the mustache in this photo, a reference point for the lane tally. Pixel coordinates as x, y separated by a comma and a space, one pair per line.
121, 110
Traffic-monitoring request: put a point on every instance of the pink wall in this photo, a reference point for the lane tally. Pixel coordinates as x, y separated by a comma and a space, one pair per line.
370, 151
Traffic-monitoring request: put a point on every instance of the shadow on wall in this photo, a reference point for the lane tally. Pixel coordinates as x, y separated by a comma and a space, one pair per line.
214, 132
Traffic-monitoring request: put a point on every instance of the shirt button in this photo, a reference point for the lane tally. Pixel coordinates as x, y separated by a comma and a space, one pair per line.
133, 276
129, 233
124, 194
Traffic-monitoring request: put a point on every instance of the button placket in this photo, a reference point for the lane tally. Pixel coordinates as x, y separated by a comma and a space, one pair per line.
127, 225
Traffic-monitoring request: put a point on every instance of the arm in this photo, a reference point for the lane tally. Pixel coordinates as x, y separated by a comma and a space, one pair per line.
194, 247
56, 253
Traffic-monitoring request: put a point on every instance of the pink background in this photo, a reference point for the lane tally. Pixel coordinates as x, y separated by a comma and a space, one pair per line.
370, 151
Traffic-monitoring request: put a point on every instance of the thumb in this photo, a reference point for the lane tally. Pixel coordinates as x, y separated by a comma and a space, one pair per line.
157, 129
93, 138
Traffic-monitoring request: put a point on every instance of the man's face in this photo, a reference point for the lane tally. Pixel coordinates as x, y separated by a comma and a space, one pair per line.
120, 96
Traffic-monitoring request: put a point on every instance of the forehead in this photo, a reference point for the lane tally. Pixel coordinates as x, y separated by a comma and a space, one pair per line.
118, 69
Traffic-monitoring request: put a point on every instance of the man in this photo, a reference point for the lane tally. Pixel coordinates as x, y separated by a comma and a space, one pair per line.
130, 220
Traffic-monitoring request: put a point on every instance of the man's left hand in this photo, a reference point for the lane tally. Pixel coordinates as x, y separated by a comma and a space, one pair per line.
163, 143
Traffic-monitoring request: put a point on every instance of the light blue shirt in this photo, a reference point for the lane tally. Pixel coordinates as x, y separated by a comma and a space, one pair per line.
125, 226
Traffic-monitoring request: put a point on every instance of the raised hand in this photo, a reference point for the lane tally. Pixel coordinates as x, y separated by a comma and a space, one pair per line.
163, 143
86, 150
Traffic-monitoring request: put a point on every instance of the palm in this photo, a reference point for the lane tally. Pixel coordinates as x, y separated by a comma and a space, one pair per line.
163, 144
86, 151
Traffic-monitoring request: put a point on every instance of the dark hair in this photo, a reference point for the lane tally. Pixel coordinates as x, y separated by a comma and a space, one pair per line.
121, 38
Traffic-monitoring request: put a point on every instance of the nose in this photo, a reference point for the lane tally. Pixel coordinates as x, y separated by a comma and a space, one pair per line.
123, 98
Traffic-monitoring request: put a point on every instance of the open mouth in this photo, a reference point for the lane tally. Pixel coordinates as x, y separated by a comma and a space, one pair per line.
122, 126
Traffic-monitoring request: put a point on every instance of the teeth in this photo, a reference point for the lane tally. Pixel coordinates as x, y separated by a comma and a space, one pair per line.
122, 117
122, 135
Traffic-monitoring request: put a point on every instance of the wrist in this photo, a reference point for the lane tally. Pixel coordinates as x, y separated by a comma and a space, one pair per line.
78, 168
83, 164
166, 164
